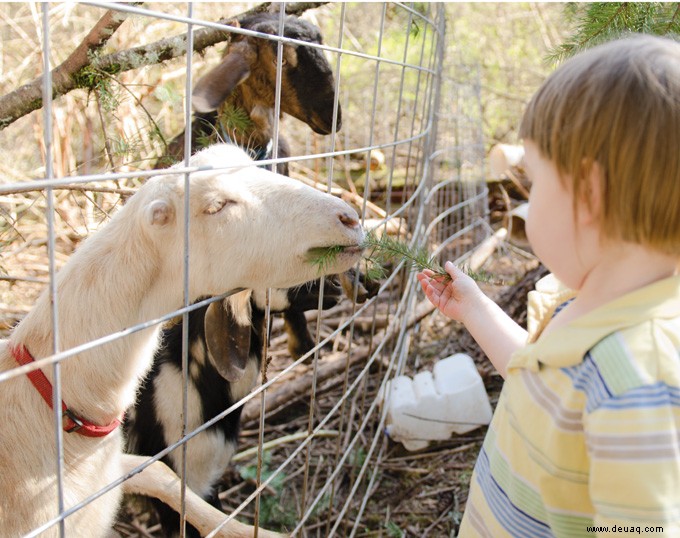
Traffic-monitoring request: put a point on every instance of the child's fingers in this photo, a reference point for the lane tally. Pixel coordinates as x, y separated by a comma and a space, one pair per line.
432, 294
434, 283
458, 276
428, 286
426, 277
452, 270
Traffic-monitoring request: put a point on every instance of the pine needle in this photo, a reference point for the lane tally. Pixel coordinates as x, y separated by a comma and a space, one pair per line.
385, 249
234, 119
323, 257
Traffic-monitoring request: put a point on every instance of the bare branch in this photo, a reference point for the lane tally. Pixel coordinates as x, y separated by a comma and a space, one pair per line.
69, 75
123, 191
28, 97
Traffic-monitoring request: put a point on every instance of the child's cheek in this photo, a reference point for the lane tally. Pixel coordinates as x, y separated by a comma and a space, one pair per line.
531, 222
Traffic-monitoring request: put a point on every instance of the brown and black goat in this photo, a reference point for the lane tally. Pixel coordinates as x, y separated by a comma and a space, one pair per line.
235, 101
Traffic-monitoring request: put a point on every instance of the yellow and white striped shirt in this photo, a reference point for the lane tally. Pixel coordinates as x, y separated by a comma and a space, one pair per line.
585, 439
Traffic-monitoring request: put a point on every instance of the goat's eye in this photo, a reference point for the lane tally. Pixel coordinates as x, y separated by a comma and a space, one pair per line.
217, 205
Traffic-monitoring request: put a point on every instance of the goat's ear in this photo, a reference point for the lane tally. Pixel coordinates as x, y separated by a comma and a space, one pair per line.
228, 341
159, 213
211, 90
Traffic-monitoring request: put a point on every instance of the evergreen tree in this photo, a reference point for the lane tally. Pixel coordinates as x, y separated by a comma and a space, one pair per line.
599, 22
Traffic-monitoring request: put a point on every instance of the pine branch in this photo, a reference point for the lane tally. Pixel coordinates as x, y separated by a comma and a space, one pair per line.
155, 128
599, 22
674, 23
234, 120
323, 257
385, 249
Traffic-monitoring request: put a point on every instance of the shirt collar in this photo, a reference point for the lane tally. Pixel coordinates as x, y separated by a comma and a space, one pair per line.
566, 346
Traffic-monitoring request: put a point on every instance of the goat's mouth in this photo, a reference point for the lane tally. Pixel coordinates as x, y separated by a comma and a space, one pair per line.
323, 125
321, 128
325, 257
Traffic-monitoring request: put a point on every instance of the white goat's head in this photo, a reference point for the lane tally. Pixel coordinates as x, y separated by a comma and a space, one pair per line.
247, 225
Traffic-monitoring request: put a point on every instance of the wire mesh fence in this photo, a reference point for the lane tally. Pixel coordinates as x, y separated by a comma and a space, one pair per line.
408, 156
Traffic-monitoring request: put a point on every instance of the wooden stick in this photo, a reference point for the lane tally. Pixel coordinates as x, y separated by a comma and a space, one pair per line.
252, 452
346, 195
81, 188
159, 481
516, 182
486, 248
28, 97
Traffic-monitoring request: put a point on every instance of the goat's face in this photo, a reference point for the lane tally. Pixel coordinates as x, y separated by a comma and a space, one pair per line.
248, 227
307, 84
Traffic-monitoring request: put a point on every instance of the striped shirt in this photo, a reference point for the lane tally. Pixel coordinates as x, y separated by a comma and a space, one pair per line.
585, 439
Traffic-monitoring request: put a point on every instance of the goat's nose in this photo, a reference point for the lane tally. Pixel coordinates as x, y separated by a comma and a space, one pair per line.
348, 219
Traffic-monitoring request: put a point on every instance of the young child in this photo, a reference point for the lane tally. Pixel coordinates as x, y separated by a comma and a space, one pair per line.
585, 439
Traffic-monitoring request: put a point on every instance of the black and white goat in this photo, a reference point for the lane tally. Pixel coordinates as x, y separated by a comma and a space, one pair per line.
220, 336
245, 231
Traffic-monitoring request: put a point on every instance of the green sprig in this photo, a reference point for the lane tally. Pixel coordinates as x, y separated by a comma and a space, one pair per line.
323, 257
385, 248
381, 250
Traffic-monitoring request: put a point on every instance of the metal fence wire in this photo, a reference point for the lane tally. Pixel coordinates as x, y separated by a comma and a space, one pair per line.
408, 157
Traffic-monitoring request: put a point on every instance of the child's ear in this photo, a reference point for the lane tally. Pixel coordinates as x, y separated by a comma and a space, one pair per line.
591, 192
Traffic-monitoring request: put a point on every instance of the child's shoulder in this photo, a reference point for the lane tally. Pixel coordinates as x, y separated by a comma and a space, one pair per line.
639, 355
631, 368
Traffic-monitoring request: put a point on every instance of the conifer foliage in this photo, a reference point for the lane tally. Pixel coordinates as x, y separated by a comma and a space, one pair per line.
598, 22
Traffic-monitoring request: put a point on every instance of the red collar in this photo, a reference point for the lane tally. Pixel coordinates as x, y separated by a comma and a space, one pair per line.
72, 423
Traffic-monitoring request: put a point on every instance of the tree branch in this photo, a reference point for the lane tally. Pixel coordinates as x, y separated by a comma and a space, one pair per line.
70, 75
28, 97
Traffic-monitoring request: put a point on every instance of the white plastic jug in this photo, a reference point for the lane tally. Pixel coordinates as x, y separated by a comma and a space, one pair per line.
433, 405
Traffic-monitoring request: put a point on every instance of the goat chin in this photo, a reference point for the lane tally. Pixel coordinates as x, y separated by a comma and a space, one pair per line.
128, 272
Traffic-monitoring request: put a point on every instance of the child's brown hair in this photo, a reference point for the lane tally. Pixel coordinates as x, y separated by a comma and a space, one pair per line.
618, 105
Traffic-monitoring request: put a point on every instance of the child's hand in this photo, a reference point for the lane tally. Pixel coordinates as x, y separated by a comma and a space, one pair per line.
462, 300
454, 298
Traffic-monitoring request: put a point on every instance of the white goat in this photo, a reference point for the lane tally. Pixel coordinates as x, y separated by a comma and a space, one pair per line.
248, 228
